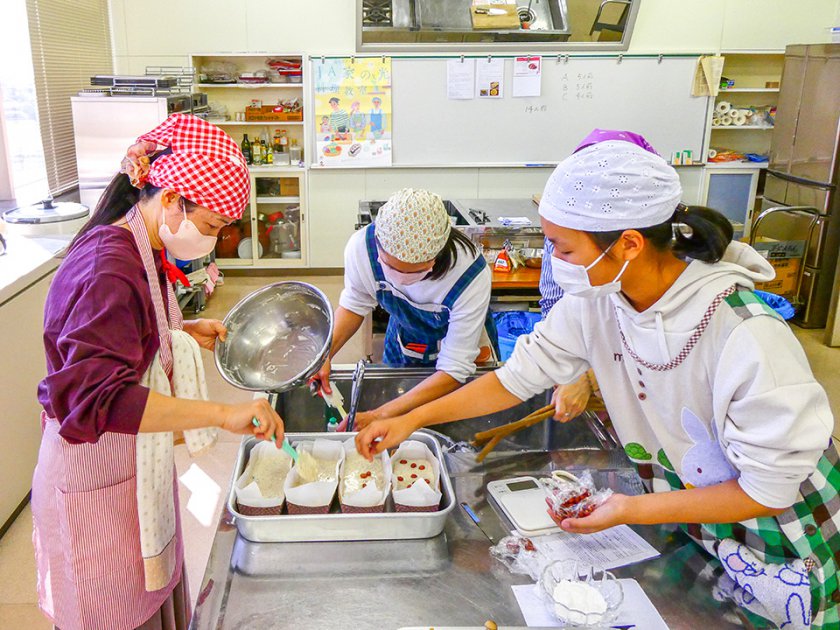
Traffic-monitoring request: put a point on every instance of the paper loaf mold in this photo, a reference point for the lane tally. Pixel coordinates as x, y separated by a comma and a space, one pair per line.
260, 488
415, 478
316, 496
363, 486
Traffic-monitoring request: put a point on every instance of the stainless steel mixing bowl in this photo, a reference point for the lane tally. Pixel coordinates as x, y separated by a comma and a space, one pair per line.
277, 337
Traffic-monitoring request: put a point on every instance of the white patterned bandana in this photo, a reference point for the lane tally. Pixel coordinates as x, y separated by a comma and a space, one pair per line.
413, 225
611, 185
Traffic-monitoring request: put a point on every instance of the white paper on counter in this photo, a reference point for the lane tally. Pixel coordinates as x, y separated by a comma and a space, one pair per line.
636, 609
460, 79
369, 496
609, 549
527, 76
490, 77
420, 494
317, 493
246, 489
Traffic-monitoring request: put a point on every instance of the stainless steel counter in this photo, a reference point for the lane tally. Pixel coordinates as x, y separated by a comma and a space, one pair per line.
450, 580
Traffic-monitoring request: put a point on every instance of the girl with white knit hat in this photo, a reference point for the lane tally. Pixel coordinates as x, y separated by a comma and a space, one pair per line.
434, 284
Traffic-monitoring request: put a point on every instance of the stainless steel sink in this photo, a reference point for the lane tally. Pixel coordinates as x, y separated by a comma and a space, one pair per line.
450, 21
303, 413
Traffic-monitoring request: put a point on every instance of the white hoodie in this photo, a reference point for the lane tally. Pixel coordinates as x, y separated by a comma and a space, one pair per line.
741, 403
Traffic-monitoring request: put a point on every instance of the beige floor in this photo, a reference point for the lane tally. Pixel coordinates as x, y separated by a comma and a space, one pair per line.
204, 481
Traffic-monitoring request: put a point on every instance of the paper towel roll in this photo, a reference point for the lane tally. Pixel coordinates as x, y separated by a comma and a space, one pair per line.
712, 154
723, 107
739, 119
726, 120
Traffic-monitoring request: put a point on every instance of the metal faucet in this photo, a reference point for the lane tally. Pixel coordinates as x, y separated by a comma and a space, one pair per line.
355, 393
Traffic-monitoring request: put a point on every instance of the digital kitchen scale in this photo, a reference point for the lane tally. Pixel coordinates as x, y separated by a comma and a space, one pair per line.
522, 499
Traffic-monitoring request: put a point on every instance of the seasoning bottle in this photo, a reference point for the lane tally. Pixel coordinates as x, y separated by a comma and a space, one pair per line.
246, 150
278, 144
269, 154
332, 425
284, 140
258, 156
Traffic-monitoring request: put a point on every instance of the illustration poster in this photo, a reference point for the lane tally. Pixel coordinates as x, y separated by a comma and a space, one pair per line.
353, 111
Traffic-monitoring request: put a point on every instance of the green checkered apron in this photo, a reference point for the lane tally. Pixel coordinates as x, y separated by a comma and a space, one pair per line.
808, 530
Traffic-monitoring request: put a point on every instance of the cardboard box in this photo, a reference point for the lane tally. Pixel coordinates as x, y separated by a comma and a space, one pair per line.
787, 277
772, 249
289, 187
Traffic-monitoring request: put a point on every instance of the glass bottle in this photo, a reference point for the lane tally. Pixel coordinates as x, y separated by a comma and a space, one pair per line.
295, 153
246, 150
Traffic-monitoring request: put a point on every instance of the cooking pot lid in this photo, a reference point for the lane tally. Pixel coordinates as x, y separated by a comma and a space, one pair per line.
47, 211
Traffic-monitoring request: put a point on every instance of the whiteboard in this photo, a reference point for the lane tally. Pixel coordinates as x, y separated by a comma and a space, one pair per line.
642, 95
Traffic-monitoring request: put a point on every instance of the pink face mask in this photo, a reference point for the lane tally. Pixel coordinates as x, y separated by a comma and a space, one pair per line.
400, 277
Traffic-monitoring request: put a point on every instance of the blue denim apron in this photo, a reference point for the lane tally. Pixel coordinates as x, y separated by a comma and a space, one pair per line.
414, 335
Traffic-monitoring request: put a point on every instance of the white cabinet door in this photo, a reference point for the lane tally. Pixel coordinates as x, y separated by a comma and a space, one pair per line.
23, 366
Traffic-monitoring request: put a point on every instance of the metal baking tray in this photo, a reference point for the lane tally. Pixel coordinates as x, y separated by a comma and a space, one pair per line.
337, 526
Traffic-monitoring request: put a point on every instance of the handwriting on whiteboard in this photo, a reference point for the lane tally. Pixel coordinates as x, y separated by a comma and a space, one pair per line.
578, 86
536, 109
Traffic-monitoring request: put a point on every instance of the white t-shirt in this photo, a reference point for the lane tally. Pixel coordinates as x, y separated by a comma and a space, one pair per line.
459, 348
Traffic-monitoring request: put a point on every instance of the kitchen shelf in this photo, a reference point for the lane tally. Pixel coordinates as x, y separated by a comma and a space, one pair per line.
749, 90
737, 165
267, 123
278, 199
741, 128
253, 86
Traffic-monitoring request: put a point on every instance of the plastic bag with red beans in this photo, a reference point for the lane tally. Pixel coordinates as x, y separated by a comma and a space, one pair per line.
568, 496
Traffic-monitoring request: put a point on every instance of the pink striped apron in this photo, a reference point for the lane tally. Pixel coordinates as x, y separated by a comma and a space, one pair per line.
84, 508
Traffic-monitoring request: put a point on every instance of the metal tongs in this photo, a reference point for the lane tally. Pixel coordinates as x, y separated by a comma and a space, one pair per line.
355, 393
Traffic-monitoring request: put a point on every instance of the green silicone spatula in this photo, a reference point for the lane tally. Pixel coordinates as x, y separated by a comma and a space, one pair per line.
290, 450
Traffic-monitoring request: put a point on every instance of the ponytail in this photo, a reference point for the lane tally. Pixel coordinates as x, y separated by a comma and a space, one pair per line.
694, 232
707, 237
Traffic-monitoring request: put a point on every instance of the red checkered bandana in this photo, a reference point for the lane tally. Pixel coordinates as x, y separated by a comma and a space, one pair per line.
205, 166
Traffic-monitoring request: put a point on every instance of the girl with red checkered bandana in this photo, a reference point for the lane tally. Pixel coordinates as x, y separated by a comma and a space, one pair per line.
123, 373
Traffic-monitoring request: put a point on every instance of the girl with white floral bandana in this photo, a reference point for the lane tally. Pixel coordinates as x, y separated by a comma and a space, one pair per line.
434, 284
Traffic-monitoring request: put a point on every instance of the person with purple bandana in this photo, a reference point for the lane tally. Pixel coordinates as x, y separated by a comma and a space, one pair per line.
570, 400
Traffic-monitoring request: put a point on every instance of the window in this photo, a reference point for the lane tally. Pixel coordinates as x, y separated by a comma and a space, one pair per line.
24, 174
71, 41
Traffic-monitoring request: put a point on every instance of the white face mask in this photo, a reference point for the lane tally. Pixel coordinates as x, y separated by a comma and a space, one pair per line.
574, 279
188, 243
400, 277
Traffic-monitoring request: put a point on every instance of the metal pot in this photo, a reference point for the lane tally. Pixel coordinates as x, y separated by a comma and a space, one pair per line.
47, 218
